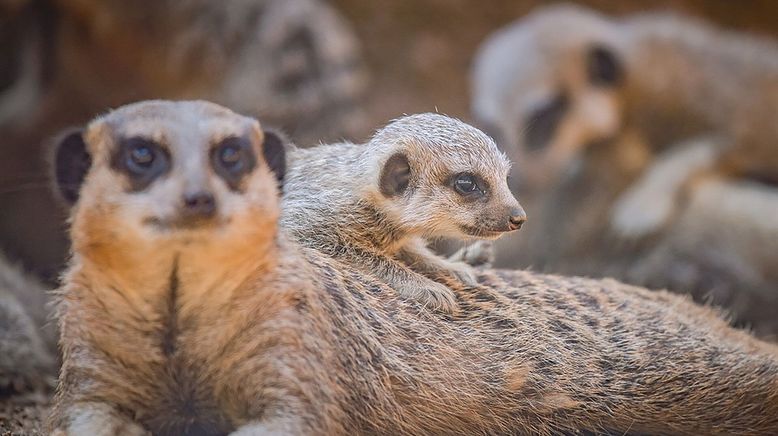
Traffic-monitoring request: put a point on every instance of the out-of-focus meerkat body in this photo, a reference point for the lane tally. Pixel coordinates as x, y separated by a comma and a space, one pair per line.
221, 325
575, 78
26, 360
374, 205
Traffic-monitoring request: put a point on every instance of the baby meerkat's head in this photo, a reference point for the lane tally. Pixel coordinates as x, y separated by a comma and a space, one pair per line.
440, 177
165, 172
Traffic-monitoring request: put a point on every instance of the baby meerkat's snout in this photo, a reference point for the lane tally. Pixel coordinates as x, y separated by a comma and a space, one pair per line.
517, 218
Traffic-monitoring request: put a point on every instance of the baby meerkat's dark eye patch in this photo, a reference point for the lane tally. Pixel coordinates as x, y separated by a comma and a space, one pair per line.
143, 160
232, 158
468, 185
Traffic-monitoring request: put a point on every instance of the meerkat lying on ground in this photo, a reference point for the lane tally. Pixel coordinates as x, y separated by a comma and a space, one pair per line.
375, 204
186, 311
566, 78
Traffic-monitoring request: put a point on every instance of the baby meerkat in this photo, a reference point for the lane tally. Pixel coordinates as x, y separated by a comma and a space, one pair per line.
374, 205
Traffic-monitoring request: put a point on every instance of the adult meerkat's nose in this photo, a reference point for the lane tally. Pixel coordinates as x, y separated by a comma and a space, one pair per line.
200, 204
516, 218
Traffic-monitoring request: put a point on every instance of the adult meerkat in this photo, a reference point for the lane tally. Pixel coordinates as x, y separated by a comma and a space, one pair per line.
185, 310
374, 205
565, 78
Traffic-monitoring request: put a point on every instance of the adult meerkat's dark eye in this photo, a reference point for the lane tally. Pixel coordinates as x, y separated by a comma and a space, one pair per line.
142, 159
229, 157
467, 184
233, 158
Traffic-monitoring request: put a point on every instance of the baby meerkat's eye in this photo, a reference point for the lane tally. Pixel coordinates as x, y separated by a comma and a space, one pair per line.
466, 184
232, 158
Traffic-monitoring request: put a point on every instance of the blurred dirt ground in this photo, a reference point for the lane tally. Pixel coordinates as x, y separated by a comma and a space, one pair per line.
22, 415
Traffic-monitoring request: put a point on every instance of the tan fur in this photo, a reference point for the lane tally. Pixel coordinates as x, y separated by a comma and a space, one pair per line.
266, 337
682, 78
335, 203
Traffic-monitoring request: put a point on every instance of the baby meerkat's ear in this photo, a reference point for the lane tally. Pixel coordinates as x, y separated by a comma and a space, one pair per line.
71, 163
603, 66
274, 151
395, 175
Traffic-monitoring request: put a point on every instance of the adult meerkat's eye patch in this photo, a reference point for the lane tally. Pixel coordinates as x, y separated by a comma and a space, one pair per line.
143, 160
603, 67
395, 175
71, 163
232, 158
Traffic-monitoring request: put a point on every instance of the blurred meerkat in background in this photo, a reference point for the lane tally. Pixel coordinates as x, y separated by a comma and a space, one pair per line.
27, 340
565, 79
586, 105
296, 63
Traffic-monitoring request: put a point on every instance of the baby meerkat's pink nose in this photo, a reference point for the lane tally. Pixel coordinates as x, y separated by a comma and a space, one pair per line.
517, 218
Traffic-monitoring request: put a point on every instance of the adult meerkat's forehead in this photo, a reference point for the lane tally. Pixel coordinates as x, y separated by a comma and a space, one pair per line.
434, 137
158, 120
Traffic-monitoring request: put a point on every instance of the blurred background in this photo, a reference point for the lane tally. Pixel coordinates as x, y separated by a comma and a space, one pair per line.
340, 69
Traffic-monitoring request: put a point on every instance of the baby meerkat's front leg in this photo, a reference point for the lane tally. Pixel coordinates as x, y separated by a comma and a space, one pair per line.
95, 419
421, 259
479, 253
408, 283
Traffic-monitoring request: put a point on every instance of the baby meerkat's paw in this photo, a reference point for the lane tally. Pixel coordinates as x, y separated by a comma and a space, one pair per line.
435, 296
464, 273
479, 253
639, 213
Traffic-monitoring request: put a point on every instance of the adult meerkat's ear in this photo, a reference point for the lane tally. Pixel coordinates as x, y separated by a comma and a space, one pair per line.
603, 66
274, 152
395, 175
71, 163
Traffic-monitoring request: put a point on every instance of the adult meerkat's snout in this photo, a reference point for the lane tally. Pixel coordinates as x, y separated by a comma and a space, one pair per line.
200, 205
